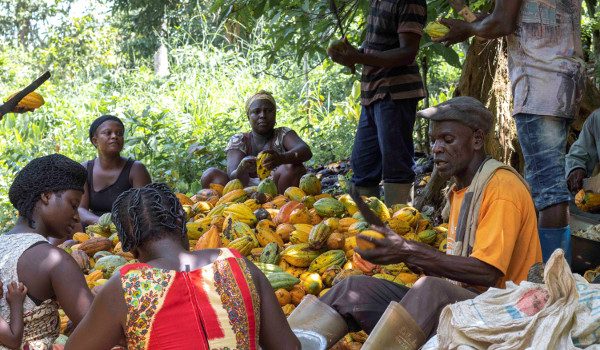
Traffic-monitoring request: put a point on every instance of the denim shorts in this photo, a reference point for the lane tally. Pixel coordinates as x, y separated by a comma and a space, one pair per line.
543, 140
383, 146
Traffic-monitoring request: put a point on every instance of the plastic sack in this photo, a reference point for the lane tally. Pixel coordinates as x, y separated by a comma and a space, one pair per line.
563, 313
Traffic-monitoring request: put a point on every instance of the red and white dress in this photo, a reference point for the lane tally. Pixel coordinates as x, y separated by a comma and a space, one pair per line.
214, 307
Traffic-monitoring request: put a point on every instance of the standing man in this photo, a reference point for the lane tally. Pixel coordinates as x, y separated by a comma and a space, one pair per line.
546, 70
391, 87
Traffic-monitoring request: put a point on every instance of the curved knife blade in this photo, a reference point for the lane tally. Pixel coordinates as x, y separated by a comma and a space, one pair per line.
9, 105
368, 214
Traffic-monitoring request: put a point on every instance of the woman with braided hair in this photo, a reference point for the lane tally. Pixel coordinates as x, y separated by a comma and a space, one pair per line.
46, 192
287, 151
109, 174
174, 298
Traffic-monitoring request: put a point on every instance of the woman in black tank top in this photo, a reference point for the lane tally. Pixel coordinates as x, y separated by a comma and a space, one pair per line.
109, 174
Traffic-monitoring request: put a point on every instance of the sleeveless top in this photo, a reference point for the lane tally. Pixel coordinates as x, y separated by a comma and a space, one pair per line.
213, 307
41, 322
101, 202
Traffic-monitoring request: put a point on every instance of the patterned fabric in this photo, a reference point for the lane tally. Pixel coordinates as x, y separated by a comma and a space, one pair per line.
214, 307
145, 290
261, 95
387, 19
42, 326
41, 323
241, 142
545, 59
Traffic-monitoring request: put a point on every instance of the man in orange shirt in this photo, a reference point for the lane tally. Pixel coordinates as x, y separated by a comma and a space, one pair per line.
492, 236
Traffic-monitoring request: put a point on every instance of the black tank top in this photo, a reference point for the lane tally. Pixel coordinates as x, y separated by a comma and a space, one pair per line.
101, 202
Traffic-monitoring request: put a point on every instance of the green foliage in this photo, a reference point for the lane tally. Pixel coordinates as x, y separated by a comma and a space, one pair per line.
22, 20
299, 28
177, 126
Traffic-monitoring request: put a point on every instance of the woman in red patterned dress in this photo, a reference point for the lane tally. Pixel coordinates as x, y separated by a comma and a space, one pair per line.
177, 299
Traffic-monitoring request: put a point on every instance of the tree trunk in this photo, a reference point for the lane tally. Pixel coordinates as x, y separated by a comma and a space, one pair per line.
161, 56
595, 37
232, 31
25, 27
422, 130
485, 77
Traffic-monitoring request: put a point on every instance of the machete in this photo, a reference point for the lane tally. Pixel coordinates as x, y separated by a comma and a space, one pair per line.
368, 214
9, 105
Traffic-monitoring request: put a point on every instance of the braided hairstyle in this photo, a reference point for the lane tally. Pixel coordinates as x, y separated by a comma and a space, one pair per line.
52, 173
146, 214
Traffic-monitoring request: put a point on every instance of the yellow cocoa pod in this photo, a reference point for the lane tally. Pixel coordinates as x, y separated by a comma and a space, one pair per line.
195, 230
288, 309
294, 193
232, 185
262, 172
366, 245
94, 276
32, 100
436, 29
311, 283
443, 246
81, 237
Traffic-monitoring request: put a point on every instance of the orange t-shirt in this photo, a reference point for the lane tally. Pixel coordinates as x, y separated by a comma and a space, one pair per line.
507, 236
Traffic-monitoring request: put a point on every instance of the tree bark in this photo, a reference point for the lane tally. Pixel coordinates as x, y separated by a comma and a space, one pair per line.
485, 77
422, 125
161, 56
432, 191
25, 27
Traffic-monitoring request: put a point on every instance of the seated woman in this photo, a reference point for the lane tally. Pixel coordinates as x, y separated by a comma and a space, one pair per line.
177, 299
46, 192
109, 174
286, 149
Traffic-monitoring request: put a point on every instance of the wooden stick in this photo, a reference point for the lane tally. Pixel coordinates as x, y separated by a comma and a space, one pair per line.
10, 104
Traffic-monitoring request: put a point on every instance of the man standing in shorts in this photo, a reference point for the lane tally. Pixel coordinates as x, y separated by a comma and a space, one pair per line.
391, 87
546, 70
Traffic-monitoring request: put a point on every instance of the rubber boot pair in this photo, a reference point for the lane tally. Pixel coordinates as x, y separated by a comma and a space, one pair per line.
554, 238
396, 329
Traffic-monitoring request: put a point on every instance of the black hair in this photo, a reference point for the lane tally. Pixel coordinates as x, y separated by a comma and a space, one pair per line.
148, 213
96, 124
52, 173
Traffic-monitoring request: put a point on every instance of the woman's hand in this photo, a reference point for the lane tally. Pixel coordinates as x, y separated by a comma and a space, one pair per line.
21, 109
247, 164
273, 159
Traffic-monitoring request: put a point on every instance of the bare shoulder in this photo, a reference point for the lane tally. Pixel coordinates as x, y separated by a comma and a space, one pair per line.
50, 255
139, 175
112, 289
137, 165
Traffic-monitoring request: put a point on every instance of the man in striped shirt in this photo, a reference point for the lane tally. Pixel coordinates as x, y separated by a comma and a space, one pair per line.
391, 87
